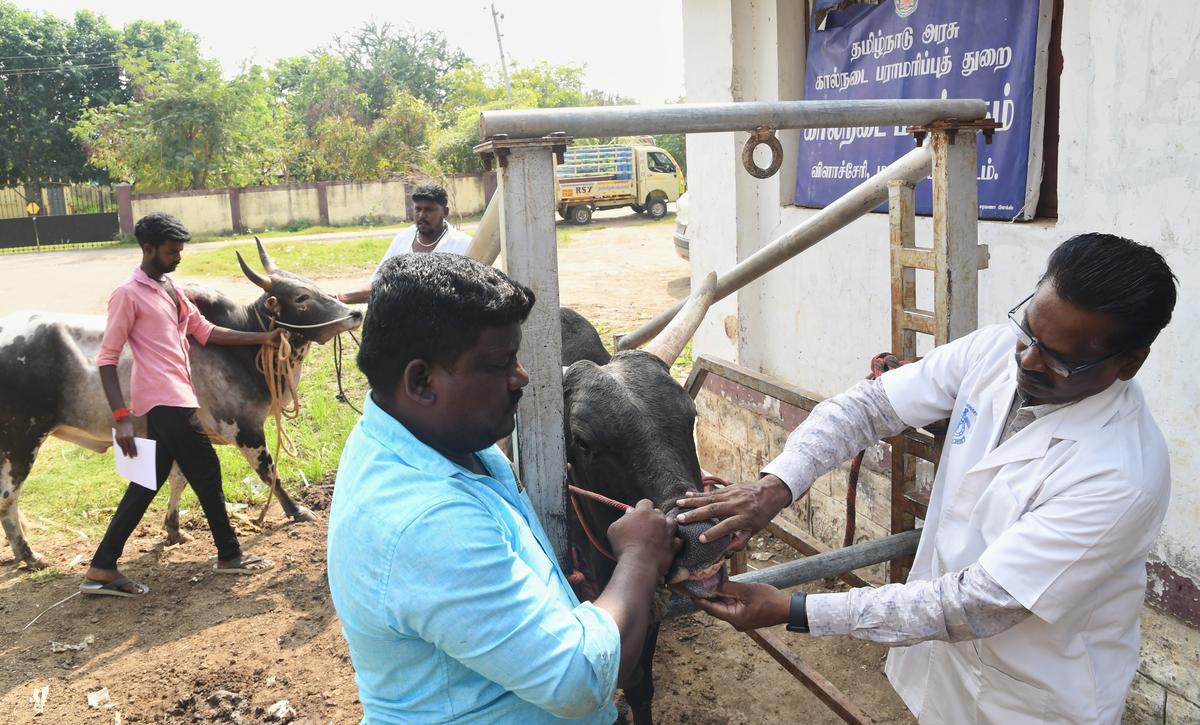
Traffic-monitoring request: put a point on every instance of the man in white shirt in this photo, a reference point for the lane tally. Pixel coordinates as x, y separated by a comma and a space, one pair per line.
430, 233
1024, 599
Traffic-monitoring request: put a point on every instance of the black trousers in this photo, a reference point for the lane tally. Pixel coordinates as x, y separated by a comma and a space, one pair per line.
180, 439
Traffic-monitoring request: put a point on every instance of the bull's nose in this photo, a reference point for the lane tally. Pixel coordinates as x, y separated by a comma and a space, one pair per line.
355, 315
696, 552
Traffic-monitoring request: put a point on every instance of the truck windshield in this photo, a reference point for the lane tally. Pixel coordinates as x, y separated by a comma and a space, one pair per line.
660, 162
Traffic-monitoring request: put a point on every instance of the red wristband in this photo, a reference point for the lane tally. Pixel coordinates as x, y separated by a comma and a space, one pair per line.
121, 414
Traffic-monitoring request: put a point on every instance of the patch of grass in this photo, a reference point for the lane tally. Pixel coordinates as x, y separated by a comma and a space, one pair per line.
312, 258
683, 365
289, 231
569, 233
73, 489
305, 228
606, 336
50, 573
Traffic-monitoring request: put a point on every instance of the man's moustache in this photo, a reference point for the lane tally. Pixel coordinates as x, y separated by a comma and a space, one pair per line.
1039, 378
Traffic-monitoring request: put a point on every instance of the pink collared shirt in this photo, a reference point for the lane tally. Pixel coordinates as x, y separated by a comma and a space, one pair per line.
141, 313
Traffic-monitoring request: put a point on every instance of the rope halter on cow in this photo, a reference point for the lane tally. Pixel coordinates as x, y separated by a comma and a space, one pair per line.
280, 369
577, 576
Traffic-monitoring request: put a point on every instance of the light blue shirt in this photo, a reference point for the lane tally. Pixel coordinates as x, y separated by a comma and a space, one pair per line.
449, 594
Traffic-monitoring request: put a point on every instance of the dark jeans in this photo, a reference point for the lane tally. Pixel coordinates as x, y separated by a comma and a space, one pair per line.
180, 439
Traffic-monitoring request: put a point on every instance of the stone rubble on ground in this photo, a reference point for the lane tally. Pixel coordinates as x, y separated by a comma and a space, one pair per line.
64, 647
281, 712
38, 699
98, 698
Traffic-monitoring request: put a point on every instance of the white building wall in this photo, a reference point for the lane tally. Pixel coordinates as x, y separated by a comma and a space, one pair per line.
1128, 164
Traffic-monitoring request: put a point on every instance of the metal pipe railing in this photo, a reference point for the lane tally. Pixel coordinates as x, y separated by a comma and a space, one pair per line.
812, 568
913, 166
718, 117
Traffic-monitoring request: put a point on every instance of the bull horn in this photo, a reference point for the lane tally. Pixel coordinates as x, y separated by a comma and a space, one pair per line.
268, 264
670, 342
251, 275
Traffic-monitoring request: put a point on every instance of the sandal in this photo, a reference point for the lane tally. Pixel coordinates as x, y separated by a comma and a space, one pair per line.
245, 565
114, 588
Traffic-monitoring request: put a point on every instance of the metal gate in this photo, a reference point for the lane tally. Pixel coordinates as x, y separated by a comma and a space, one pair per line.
40, 215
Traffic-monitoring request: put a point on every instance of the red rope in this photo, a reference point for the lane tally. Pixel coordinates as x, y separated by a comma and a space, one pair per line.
577, 577
598, 497
583, 522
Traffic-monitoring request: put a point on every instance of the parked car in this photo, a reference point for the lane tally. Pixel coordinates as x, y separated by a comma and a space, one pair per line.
644, 178
683, 242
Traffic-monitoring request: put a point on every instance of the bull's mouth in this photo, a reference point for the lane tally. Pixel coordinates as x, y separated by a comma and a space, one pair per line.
323, 333
701, 584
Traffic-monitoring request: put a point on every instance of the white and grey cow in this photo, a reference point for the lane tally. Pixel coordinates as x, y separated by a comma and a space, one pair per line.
50, 385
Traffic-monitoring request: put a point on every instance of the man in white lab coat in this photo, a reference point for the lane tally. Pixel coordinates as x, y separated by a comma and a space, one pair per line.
1024, 599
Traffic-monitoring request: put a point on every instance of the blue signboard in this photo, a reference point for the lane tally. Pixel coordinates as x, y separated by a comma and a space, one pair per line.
987, 49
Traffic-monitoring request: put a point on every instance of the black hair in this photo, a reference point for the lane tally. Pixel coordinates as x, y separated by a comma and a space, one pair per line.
433, 307
432, 192
1128, 281
154, 229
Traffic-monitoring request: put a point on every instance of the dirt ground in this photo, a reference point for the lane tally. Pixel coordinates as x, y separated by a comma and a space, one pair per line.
207, 648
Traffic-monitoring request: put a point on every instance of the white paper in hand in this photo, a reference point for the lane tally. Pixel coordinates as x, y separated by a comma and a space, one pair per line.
140, 468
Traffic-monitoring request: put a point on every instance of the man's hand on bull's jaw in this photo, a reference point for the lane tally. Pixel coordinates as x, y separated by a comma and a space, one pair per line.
748, 606
743, 509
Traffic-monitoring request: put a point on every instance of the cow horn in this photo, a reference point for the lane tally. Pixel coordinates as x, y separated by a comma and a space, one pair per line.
670, 342
268, 264
251, 275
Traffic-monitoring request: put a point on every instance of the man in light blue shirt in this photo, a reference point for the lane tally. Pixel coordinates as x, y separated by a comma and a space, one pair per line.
449, 594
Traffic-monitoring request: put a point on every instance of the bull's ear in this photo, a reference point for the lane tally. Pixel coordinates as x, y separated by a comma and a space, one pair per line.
268, 264
251, 275
273, 304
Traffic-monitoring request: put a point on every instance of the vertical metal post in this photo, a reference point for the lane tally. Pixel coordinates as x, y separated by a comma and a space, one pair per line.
125, 208
529, 245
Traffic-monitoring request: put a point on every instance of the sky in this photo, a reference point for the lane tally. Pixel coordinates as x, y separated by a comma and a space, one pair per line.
630, 47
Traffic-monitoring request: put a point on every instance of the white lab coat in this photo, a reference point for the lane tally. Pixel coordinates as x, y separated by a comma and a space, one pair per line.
1062, 515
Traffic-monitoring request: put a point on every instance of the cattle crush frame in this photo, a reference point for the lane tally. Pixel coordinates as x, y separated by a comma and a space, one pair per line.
523, 145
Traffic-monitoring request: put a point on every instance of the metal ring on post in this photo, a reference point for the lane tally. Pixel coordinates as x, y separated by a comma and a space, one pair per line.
762, 135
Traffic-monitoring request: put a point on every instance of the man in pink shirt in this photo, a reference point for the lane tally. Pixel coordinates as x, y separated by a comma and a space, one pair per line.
155, 319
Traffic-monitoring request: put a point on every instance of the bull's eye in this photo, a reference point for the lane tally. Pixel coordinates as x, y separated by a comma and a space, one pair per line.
300, 299
582, 445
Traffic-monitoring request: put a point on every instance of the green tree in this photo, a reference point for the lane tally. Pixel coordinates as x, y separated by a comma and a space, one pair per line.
381, 59
340, 151
186, 127
50, 71
399, 139
395, 145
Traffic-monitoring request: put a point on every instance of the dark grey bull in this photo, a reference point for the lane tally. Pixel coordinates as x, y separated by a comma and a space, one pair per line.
50, 385
628, 427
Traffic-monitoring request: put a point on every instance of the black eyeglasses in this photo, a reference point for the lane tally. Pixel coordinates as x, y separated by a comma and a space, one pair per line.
1054, 361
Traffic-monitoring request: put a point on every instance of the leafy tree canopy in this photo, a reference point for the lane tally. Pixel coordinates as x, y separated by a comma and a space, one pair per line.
82, 100
50, 71
186, 127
